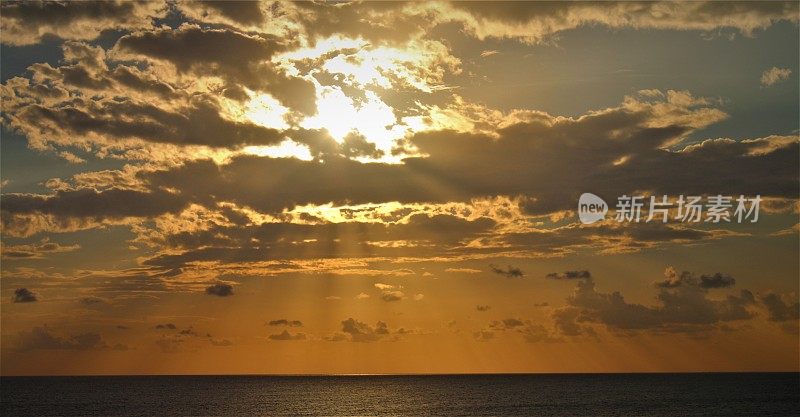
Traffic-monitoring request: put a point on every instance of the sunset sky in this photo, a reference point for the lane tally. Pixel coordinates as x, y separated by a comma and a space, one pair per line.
244, 187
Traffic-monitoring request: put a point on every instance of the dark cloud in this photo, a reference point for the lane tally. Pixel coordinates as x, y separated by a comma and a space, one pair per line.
476, 165
24, 295
480, 307
200, 122
65, 206
717, 280
28, 22
583, 274
285, 335
674, 280
682, 308
567, 322
530, 331
36, 250
221, 342
392, 295
509, 272
285, 322
506, 324
239, 58
169, 326
41, 338
242, 12
535, 22
220, 290
780, 310
358, 331
286, 241
90, 301
484, 335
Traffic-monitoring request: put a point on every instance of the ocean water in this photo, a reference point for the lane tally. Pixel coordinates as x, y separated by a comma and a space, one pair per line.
740, 394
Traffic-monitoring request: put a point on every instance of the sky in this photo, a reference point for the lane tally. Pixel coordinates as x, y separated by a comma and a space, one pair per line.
357, 187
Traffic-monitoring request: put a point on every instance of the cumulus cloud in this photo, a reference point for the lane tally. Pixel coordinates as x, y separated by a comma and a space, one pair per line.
41, 338
775, 75
674, 279
473, 183
463, 270
531, 332
38, 250
24, 295
683, 306
536, 22
285, 322
358, 331
220, 290
390, 292
26, 214
509, 272
582, 274
286, 336
26, 22
779, 309
92, 301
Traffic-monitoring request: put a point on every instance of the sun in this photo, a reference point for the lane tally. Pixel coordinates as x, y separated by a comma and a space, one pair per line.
350, 77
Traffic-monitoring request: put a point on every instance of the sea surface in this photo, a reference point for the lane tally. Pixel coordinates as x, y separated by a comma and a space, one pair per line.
728, 394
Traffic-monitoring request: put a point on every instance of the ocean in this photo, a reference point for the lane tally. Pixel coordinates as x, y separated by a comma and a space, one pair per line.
704, 394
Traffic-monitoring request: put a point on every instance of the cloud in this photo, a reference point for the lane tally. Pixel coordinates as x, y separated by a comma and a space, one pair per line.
24, 295
232, 12
568, 322
482, 308
683, 307
25, 214
285, 322
674, 280
25, 23
775, 75
91, 301
489, 53
220, 290
285, 336
41, 338
390, 292
483, 165
717, 280
780, 310
236, 57
506, 324
480, 165
530, 22
536, 22
509, 272
530, 331
39, 250
484, 335
582, 274
358, 331
169, 326
221, 342
463, 270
